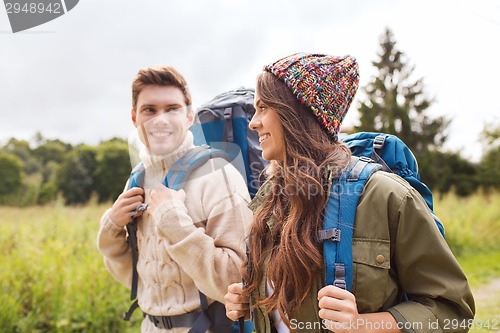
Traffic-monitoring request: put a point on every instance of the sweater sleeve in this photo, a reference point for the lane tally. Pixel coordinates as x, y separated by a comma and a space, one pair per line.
427, 270
205, 235
112, 243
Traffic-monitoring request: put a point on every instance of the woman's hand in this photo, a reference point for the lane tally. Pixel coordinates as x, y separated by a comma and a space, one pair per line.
237, 306
339, 311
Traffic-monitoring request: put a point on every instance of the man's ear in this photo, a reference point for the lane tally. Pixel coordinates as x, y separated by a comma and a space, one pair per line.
133, 114
190, 117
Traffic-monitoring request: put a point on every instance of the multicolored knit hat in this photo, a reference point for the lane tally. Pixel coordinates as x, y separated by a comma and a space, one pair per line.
326, 84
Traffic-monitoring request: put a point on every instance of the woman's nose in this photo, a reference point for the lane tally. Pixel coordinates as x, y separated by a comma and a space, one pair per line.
254, 123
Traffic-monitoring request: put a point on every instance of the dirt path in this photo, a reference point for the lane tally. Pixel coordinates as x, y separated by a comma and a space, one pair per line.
487, 291
487, 296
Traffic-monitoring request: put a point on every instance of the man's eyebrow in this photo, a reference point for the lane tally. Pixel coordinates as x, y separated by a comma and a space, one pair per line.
175, 105
258, 102
147, 105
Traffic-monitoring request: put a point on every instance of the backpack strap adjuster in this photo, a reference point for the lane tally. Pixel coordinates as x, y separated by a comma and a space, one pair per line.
331, 234
378, 142
340, 276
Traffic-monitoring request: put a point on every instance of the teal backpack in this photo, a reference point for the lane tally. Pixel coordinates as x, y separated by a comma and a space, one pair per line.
371, 152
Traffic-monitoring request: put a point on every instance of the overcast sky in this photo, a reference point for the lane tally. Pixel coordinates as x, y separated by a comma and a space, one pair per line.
70, 78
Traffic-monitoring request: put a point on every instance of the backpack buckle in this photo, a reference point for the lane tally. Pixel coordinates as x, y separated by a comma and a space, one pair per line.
161, 322
340, 284
331, 234
167, 323
365, 159
378, 142
228, 112
340, 275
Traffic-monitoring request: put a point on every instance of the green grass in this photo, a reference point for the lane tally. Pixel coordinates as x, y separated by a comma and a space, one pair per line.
52, 275
483, 271
473, 231
471, 224
53, 279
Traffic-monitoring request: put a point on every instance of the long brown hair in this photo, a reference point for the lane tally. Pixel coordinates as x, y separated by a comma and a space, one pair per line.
295, 203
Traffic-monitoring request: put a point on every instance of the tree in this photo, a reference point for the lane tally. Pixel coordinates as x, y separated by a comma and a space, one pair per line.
51, 151
22, 149
396, 104
446, 171
75, 177
113, 169
12, 174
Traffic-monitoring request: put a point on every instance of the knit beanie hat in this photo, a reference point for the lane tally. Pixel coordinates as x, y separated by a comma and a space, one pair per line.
326, 84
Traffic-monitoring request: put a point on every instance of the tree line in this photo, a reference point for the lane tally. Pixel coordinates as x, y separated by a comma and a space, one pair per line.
41, 171
45, 170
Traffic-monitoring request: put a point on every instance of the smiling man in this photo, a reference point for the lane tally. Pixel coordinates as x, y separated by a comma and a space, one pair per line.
189, 241
163, 118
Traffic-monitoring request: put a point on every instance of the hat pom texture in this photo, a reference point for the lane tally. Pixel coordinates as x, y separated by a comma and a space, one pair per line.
326, 84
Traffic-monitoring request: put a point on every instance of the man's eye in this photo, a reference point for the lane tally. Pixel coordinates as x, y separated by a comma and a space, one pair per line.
149, 110
177, 110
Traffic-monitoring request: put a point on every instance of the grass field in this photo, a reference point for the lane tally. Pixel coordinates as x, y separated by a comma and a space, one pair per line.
53, 278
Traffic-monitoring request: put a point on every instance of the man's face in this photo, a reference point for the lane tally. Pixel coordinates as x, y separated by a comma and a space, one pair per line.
161, 117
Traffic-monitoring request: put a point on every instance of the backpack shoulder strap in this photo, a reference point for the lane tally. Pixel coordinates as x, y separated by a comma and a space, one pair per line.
192, 160
338, 223
136, 180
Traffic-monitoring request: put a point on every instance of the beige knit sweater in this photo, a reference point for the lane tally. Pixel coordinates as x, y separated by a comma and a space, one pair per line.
183, 246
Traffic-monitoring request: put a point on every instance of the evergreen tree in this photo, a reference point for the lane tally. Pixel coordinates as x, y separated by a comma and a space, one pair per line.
396, 104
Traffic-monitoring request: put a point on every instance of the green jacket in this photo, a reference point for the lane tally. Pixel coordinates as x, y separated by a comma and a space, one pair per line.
397, 248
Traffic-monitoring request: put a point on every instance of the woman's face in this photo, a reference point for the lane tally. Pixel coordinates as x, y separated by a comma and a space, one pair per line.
268, 124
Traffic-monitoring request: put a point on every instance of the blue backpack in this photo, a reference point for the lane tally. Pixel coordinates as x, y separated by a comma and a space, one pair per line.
371, 152
223, 123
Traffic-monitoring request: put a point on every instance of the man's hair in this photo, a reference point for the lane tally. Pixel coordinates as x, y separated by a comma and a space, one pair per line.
160, 76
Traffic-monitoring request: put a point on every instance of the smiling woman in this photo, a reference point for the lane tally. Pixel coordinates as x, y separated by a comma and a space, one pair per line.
301, 102
267, 123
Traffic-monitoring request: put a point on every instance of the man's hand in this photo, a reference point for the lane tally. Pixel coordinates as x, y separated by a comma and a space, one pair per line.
161, 194
237, 306
125, 206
